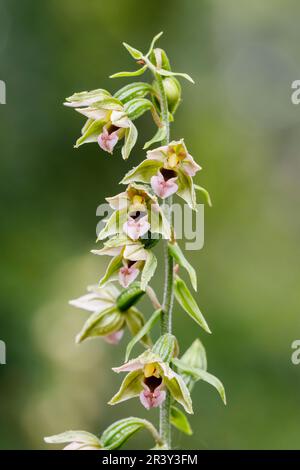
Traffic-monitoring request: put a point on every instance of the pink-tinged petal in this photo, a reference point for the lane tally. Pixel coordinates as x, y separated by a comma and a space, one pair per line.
89, 302
79, 446
158, 154
128, 275
108, 141
114, 338
119, 119
120, 201
152, 399
134, 364
189, 166
163, 188
135, 252
136, 228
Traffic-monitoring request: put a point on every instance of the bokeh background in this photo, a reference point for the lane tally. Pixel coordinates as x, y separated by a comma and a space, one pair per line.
240, 124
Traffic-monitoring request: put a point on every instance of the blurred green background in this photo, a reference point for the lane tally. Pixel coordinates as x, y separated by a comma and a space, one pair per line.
239, 123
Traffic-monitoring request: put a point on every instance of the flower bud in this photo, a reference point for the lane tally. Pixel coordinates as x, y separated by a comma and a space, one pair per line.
173, 91
129, 297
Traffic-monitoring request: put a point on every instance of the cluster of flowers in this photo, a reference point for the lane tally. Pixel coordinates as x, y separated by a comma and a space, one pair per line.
136, 224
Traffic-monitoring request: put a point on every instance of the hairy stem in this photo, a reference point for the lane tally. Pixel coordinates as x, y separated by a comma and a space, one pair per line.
166, 319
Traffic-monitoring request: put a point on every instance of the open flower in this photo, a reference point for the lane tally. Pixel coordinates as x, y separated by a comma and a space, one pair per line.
107, 320
169, 169
130, 258
107, 121
136, 212
76, 440
149, 378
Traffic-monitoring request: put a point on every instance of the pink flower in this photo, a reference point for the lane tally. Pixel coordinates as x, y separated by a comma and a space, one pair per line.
136, 228
128, 274
163, 187
108, 141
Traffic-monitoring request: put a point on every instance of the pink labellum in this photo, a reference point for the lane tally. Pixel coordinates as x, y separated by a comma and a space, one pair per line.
108, 141
152, 398
127, 275
136, 228
114, 338
163, 188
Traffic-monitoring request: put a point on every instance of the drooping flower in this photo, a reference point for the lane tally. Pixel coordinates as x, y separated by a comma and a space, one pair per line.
76, 440
107, 320
136, 212
169, 169
130, 258
149, 378
107, 121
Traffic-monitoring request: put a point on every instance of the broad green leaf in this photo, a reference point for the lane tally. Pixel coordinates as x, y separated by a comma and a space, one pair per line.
133, 90
135, 73
84, 437
143, 331
131, 134
188, 303
200, 374
158, 137
137, 107
176, 253
101, 324
180, 421
112, 270
130, 387
143, 172
168, 73
148, 270
135, 322
154, 40
205, 194
166, 347
120, 431
135, 53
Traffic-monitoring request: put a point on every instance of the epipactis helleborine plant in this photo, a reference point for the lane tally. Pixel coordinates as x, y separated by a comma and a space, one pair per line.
140, 219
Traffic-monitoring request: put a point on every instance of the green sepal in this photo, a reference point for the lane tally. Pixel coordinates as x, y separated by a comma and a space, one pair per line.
137, 107
133, 90
135, 322
112, 270
131, 135
135, 53
135, 73
158, 137
104, 323
166, 347
148, 269
205, 194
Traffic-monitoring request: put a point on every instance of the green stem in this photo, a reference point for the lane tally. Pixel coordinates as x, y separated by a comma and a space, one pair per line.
166, 320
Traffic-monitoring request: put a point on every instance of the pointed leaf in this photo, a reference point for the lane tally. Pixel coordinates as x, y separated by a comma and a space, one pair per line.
200, 374
188, 303
158, 137
135, 73
168, 73
180, 421
177, 254
135, 53
205, 193
143, 331
154, 40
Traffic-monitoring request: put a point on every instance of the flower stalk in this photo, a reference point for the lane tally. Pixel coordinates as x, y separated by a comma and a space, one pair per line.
142, 217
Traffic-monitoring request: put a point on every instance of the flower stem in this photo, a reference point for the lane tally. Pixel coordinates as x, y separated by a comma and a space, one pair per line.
166, 319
